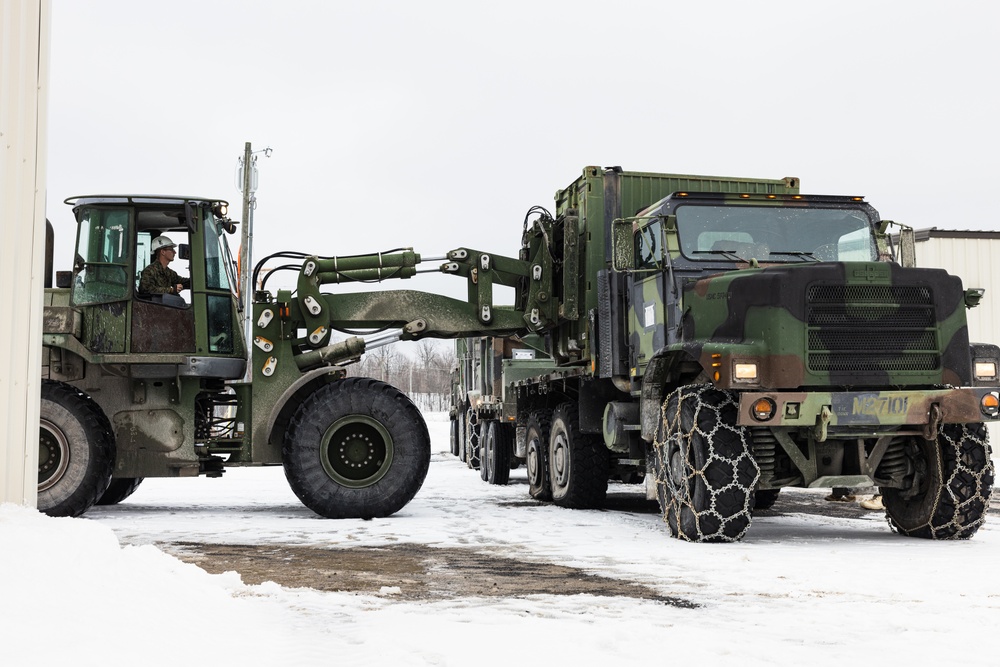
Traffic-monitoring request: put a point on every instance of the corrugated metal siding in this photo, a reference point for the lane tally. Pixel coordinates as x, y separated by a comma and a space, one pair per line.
24, 45
975, 261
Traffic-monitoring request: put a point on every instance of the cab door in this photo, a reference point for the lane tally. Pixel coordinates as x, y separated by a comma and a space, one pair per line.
647, 315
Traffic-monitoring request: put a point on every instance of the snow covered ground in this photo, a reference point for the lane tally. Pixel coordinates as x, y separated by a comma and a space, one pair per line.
800, 589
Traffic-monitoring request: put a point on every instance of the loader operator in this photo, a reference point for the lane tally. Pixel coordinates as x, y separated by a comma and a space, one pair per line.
158, 278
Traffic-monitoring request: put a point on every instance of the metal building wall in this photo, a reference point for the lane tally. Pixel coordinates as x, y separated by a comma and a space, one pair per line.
975, 258
24, 55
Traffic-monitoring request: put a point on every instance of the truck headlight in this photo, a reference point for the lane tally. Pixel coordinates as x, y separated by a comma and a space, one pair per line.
986, 370
745, 371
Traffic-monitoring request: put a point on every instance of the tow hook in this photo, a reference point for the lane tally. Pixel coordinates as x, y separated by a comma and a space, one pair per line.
934, 422
824, 420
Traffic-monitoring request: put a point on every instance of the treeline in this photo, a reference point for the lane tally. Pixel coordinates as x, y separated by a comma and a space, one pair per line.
423, 372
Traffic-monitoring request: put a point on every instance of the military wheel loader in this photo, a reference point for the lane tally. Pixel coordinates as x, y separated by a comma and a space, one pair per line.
138, 385
721, 339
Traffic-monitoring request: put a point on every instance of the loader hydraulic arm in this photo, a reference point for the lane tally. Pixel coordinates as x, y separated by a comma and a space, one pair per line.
417, 314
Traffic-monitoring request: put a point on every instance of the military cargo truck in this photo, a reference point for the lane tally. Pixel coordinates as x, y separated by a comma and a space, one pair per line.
721, 339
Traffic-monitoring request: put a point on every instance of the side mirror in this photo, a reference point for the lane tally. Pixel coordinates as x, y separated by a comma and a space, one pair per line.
973, 296
184, 251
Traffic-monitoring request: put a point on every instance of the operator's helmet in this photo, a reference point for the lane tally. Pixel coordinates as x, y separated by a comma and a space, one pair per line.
161, 242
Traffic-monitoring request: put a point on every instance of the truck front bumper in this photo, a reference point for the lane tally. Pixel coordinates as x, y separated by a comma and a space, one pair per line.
870, 408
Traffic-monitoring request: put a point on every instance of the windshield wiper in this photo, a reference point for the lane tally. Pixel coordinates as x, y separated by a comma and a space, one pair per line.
728, 254
798, 253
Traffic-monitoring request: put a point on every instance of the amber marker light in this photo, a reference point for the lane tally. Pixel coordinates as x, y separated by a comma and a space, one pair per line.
763, 409
990, 404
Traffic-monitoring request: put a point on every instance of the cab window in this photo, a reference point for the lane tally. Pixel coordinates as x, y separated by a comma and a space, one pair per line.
103, 257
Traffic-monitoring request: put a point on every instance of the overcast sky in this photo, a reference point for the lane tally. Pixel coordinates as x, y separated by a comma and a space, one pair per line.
438, 124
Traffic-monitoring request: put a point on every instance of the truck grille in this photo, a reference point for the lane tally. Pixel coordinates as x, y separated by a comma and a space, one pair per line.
871, 329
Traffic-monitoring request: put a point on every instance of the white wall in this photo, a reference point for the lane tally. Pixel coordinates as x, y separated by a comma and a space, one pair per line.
24, 49
975, 261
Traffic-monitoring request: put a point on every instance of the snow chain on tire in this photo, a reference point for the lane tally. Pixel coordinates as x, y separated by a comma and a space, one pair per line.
705, 472
955, 477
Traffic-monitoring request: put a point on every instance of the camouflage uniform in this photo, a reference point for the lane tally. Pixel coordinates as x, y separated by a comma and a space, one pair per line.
159, 279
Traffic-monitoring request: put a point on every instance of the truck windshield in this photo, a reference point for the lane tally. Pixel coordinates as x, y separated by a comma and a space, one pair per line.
775, 233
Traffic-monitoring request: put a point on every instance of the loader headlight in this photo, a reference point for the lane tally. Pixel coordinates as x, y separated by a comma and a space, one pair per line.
220, 209
986, 370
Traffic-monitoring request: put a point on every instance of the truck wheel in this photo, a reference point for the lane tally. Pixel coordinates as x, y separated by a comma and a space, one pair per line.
120, 489
497, 445
472, 436
537, 454
578, 463
705, 473
462, 435
484, 436
951, 488
356, 449
765, 499
453, 433
76, 451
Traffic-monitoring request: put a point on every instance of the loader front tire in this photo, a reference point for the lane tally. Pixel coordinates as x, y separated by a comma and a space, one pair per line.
76, 451
356, 449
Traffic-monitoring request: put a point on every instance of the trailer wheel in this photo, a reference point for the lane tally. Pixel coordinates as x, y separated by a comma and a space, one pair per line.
578, 462
705, 473
120, 489
765, 498
356, 448
952, 483
537, 454
473, 433
76, 451
497, 445
462, 435
453, 434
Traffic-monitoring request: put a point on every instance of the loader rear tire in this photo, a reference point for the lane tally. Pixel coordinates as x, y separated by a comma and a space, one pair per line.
951, 488
356, 449
76, 451
120, 489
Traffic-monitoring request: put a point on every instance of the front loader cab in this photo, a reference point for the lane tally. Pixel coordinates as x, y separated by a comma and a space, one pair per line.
115, 243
